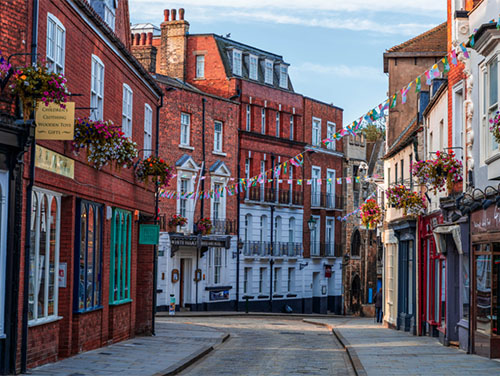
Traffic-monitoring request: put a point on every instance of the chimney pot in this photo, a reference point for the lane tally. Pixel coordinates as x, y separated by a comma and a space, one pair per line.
181, 14
132, 38
137, 37
174, 13
143, 39
150, 39
166, 14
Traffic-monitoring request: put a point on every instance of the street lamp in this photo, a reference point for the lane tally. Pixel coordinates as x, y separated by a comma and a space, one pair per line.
311, 223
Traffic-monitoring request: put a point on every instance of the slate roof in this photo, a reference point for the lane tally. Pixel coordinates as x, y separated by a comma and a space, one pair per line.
226, 45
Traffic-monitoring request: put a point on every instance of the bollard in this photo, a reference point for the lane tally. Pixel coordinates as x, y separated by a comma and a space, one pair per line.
171, 309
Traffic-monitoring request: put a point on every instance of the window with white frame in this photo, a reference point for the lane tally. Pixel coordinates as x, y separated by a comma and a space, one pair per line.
315, 186
109, 17
200, 66
237, 62
216, 269
290, 280
277, 229
330, 131
263, 121
148, 130
97, 89
262, 280
183, 202
316, 131
218, 136
268, 72
284, 76
44, 256
249, 118
185, 128
127, 110
291, 127
490, 105
330, 236
291, 230
277, 124
4, 210
263, 228
56, 39
277, 280
216, 202
330, 189
247, 278
248, 228
253, 72
315, 237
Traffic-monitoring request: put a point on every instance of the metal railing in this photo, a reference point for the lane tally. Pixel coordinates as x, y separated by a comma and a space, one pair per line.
269, 195
279, 249
319, 249
224, 227
326, 200
315, 249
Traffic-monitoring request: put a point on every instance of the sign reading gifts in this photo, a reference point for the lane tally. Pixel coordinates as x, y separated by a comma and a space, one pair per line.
54, 122
54, 162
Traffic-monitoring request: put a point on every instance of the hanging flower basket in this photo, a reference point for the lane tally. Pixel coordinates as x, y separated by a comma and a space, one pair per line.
440, 173
401, 197
177, 220
105, 143
371, 214
156, 168
204, 226
495, 127
4, 67
35, 83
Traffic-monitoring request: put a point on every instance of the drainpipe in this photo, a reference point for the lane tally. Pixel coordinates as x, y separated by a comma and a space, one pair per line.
27, 229
271, 260
155, 254
238, 231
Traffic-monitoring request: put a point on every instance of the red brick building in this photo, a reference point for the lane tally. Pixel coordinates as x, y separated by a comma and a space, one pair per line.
84, 222
270, 129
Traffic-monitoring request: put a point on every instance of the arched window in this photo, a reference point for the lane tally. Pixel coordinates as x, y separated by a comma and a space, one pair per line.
355, 244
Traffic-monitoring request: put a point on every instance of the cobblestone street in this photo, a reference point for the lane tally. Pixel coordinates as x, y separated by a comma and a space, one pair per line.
271, 346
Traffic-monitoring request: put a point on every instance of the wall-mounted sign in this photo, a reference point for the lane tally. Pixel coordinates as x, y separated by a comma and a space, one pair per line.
175, 275
63, 267
54, 162
149, 234
328, 271
192, 241
54, 122
219, 295
197, 275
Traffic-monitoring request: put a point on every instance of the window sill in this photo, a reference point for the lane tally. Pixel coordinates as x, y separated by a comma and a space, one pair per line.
88, 310
219, 153
199, 79
187, 147
47, 320
120, 302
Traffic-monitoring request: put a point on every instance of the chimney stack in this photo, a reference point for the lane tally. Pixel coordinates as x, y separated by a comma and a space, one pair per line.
144, 51
173, 44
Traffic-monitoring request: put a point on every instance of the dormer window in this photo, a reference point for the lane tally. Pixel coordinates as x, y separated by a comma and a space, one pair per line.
284, 76
268, 76
253, 67
237, 62
109, 16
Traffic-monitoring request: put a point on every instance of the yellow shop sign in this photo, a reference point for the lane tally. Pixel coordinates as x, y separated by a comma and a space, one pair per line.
54, 162
54, 122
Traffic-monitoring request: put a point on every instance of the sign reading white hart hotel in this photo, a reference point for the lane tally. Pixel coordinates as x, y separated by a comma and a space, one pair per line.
54, 122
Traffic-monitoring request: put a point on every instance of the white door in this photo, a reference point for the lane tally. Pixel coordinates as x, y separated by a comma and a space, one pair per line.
4, 209
188, 281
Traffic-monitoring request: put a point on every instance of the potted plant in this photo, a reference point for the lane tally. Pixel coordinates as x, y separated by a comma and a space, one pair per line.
204, 226
105, 143
371, 214
34, 83
495, 127
156, 168
402, 198
440, 173
177, 220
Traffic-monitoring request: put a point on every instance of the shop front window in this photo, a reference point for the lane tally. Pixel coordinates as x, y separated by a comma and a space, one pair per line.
465, 287
483, 293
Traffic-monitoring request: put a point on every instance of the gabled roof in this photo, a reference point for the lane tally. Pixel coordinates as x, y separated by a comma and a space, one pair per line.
220, 168
186, 162
432, 43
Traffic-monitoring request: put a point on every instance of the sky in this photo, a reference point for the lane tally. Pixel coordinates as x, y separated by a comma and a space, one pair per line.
334, 48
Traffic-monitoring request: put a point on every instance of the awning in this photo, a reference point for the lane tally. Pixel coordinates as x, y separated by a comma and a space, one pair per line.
439, 236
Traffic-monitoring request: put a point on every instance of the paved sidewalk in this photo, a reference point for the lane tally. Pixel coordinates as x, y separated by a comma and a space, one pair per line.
174, 347
385, 352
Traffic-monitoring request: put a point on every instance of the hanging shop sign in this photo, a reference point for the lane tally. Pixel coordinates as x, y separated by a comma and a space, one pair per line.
192, 241
54, 122
149, 234
54, 162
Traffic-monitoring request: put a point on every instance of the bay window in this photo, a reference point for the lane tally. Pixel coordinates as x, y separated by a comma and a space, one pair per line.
44, 256
88, 256
121, 241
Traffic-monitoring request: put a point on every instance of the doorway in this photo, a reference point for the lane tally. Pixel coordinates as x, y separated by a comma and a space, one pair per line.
185, 280
356, 294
